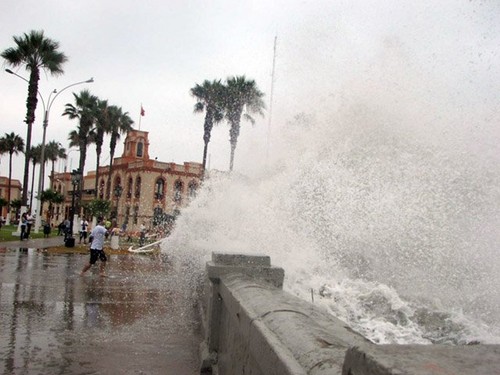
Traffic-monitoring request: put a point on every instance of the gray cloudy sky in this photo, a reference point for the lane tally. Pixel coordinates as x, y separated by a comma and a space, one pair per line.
153, 52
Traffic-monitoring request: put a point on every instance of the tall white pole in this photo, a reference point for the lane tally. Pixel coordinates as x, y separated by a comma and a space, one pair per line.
271, 101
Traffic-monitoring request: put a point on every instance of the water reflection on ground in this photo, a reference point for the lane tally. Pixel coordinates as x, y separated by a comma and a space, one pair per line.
138, 320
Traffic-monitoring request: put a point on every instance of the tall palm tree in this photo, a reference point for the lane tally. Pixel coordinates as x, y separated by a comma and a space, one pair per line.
101, 127
3, 149
119, 123
53, 152
14, 144
35, 52
35, 155
210, 98
84, 112
242, 96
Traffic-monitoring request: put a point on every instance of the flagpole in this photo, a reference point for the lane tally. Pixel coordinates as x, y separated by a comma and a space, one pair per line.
271, 102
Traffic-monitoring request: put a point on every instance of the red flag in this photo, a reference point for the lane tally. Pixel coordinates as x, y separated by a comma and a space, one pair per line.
142, 111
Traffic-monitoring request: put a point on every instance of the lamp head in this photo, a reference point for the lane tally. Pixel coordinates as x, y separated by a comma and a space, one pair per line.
9, 71
90, 80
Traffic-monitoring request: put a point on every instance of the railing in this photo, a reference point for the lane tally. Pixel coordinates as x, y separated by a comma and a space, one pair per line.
254, 327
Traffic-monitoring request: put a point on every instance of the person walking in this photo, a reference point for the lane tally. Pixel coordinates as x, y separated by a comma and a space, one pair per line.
97, 237
29, 224
24, 222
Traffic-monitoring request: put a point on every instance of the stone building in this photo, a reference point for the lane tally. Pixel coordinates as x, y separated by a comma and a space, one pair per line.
15, 192
140, 189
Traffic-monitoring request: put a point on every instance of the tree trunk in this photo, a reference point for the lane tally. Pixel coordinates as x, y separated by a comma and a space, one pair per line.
8, 192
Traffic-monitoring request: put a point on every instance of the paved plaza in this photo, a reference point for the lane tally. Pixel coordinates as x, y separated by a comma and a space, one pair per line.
137, 320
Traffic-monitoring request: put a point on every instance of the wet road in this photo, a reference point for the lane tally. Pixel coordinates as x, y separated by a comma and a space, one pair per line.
138, 320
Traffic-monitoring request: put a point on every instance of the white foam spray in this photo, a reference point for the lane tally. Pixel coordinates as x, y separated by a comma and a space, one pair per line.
384, 200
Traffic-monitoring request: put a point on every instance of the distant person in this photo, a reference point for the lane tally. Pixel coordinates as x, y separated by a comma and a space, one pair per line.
142, 237
29, 224
84, 224
24, 221
67, 229
97, 235
46, 230
60, 228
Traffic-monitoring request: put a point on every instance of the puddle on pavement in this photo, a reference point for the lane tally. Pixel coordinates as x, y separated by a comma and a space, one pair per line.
138, 320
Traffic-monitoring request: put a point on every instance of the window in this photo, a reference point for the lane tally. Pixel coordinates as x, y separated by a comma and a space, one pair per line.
127, 214
178, 187
101, 189
138, 187
129, 187
136, 214
159, 188
117, 189
140, 146
192, 187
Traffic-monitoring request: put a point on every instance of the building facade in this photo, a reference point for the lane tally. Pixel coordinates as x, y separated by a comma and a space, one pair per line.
140, 189
15, 193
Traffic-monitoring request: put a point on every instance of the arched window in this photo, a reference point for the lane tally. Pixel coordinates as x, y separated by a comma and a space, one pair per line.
140, 146
127, 214
192, 187
159, 188
129, 187
101, 189
138, 187
136, 215
178, 187
117, 188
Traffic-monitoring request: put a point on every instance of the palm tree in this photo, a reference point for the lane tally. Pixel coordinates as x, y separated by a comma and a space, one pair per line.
84, 111
35, 155
242, 95
119, 123
53, 152
210, 96
35, 52
101, 128
13, 144
3, 150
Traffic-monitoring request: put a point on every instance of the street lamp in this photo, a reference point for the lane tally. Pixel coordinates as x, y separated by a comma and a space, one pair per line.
46, 110
75, 181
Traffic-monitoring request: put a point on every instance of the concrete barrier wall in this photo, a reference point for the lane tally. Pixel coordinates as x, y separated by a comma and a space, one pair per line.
253, 327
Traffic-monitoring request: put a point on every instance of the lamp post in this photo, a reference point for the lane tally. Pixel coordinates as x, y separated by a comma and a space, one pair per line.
75, 181
46, 110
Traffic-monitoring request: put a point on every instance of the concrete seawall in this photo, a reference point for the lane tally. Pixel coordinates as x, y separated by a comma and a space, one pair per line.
253, 327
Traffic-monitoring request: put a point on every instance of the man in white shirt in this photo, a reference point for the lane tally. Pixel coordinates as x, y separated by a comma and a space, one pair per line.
97, 237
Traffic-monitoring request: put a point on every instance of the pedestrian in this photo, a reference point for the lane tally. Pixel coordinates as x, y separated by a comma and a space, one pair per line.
60, 228
24, 221
46, 230
143, 231
67, 229
84, 224
97, 247
29, 223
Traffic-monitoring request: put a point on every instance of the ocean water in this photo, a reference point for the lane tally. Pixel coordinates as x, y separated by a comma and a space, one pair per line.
382, 195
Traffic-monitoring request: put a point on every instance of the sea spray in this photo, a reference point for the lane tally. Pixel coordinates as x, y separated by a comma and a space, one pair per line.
384, 198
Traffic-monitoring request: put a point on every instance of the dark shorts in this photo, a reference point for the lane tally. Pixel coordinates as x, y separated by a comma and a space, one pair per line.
94, 254
83, 235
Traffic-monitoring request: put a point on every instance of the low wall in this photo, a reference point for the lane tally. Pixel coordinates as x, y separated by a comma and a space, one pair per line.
253, 327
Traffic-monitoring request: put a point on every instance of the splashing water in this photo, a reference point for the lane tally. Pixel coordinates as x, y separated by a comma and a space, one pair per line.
400, 239
386, 204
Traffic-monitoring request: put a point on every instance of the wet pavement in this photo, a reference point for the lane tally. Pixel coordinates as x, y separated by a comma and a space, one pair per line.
137, 320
